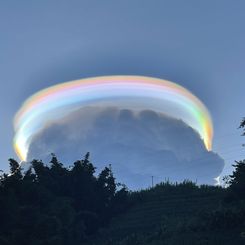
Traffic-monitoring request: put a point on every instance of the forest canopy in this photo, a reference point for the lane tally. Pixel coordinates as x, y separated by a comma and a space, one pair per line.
51, 204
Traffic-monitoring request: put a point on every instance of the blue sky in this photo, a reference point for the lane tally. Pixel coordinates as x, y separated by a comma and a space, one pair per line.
198, 44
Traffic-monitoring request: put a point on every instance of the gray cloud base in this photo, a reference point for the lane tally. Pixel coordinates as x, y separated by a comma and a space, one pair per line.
138, 145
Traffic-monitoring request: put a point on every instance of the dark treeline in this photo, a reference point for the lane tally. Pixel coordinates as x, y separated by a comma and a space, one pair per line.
57, 205
54, 205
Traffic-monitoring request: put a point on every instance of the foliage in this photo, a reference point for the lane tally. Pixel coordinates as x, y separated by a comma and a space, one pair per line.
242, 125
51, 204
236, 181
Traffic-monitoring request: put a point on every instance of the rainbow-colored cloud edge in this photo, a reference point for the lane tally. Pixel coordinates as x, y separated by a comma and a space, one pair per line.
131, 92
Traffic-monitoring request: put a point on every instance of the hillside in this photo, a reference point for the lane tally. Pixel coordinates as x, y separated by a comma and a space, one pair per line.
174, 214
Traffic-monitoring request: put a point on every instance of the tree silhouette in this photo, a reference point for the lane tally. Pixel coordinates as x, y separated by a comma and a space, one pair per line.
236, 181
242, 125
51, 204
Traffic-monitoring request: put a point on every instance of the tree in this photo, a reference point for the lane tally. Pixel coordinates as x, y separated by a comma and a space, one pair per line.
15, 168
242, 125
58, 174
237, 179
83, 183
55, 163
107, 190
107, 181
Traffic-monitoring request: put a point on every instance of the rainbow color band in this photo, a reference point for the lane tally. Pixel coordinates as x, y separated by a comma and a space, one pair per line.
129, 92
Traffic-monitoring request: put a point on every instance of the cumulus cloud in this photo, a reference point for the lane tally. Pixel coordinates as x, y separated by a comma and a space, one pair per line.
138, 144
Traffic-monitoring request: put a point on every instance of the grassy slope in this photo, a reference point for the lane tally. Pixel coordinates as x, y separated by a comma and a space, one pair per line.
158, 215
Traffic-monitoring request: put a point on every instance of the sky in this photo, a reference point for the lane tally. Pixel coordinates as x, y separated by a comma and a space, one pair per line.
198, 44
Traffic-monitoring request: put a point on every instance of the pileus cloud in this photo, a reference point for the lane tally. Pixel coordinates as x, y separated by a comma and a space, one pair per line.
138, 145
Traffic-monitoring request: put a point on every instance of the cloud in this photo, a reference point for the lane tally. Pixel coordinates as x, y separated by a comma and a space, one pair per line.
138, 144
